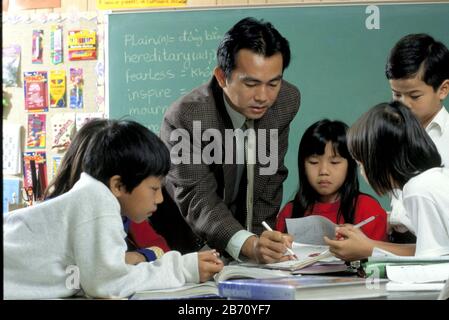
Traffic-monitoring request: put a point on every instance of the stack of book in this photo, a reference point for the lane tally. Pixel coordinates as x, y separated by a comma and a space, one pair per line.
303, 288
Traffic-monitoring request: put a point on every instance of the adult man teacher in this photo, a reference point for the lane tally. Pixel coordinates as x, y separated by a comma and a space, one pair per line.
226, 188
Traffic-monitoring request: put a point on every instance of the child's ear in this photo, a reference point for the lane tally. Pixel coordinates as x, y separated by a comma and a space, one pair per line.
444, 89
220, 76
116, 186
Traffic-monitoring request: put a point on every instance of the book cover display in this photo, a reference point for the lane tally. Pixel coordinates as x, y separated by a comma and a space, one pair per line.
37, 47
36, 131
76, 88
82, 45
35, 175
35, 89
63, 127
56, 44
34, 58
57, 89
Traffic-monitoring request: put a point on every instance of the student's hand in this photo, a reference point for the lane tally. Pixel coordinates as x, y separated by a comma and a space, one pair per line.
209, 264
348, 226
133, 257
353, 244
271, 247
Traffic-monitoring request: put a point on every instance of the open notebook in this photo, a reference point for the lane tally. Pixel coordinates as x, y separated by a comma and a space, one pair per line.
307, 255
209, 289
309, 246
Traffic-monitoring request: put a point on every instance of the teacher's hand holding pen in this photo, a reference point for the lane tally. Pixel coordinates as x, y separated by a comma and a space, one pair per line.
272, 246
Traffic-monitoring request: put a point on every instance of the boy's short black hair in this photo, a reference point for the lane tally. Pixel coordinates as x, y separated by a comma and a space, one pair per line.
416, 51
392, 146
128, 149
255, 35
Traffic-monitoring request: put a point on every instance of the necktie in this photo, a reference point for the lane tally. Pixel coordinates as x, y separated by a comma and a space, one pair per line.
250, 160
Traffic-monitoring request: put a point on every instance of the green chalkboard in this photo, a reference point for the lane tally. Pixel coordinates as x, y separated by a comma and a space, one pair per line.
338, 58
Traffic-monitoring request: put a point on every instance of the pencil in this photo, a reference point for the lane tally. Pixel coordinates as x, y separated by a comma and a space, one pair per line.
361, 224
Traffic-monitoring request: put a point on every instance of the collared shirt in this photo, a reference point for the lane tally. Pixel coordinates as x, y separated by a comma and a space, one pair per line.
438, 130
238, 121
235, 244
425, 199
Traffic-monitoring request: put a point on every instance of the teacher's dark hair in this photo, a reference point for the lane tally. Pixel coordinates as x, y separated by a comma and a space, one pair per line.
256, 35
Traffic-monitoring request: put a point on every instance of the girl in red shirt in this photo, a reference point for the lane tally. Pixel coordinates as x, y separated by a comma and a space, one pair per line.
328, 182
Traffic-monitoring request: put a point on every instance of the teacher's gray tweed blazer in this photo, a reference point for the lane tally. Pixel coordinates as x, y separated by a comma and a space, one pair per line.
203, 192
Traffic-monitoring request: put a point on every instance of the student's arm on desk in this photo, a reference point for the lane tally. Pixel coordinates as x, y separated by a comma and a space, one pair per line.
399, 249
356, 245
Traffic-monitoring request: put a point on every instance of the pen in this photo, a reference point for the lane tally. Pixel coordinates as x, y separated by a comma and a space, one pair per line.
290, 251
361, 224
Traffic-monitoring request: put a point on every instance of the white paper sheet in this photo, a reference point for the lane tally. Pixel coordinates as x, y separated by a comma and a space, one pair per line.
311, 229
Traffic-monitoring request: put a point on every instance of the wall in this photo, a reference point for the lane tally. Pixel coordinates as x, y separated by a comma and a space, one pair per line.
76, 14
90, 5
17, 28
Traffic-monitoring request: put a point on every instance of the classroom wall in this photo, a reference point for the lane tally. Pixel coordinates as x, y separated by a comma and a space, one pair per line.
90, 5
17, 28
78, 14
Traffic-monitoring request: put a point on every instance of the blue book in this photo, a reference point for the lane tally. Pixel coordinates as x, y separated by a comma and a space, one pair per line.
303, 287
208, 289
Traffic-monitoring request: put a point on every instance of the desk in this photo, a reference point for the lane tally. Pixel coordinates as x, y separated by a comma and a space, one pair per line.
412, 295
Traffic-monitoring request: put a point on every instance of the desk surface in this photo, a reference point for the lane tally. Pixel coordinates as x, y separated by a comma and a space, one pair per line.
412, 295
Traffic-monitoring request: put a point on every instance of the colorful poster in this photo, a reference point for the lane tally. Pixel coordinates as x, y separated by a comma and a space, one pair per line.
82, 45
35, 88
57, 89
76, 88
63, 127
37, 46
36, 131
56, 52
35, 175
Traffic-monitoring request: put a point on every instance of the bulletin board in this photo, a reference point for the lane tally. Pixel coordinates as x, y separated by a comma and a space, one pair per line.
18, 29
